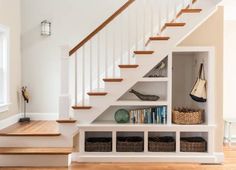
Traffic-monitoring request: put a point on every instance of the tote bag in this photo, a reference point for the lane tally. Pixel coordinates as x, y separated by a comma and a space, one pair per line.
199, 91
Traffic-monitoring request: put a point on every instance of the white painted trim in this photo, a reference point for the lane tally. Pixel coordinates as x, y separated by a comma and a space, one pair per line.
43, 116
6, 31
215, 158
35, 160
4, 107
9, 121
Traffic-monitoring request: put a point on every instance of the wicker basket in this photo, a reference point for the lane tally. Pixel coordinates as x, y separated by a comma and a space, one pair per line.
193, 144
187, 116
98, 145
161, 144
129, 144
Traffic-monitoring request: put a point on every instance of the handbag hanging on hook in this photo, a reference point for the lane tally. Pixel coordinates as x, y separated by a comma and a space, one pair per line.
199, 91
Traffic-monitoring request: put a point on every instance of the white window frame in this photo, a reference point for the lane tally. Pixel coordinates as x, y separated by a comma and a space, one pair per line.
6, 33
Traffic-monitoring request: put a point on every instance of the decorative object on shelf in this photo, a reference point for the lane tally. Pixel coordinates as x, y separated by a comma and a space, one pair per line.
45, 28
161, 144
193, 144
25, 95
145, 97
199, 91
98, 144
130, 144
122, 116
186, 116
160, 69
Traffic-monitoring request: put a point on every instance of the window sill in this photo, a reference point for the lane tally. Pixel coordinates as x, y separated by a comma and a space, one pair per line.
4, 107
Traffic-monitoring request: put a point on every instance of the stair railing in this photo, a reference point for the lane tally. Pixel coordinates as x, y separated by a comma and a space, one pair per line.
112, 43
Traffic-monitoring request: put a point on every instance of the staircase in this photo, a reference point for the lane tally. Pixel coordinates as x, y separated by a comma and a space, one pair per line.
110, 60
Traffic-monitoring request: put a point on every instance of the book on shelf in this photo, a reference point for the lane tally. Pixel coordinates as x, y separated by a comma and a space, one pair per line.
154, 115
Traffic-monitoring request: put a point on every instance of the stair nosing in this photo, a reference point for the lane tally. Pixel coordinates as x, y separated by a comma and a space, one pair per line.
128, 66
143, 52
113, 79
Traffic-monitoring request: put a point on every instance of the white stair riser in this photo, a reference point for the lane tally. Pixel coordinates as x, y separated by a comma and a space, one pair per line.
23, 141
34, 160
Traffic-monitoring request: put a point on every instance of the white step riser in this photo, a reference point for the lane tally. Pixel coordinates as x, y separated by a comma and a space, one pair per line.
34, 160
23, 141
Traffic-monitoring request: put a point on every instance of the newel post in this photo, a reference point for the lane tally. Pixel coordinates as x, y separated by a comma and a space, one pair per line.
64, 98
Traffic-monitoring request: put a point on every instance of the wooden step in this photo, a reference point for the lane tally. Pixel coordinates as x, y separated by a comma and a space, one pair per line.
128, 66
196, 10
97, 93
34, 151
174, 24
33, 128
159, 38
143, 52
112, 79
82, 107
66, 121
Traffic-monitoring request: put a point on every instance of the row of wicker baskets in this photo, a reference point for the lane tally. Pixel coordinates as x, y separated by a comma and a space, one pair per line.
155, 144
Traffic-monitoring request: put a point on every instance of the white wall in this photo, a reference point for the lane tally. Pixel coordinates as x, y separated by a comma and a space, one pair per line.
72, 20
10, 17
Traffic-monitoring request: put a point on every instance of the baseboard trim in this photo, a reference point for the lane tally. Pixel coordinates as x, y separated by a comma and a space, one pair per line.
215, 158
9, 121
33, 116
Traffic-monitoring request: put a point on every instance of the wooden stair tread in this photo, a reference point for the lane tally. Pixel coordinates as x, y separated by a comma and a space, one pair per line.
195, 10
143, 52
66, 121
175, 24
128, 66
82, 107
33, 128
97, 93
159, 38
112, 79
38, 151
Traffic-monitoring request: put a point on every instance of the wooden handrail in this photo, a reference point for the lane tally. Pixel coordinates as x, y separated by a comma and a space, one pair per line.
99, 28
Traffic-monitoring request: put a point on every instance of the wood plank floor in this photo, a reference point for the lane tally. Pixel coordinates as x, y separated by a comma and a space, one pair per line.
34, 128
230, 164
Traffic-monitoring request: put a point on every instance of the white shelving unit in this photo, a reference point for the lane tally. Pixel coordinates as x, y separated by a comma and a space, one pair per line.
106, 123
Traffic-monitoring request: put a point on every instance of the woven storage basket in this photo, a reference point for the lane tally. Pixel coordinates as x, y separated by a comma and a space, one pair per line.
193, 144
161, 144
98, 145
129, 144
187, 116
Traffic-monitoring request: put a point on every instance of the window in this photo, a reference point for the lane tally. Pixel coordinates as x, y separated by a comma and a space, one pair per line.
3, 69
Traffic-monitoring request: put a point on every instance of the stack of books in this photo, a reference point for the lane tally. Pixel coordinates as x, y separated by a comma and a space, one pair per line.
154, 115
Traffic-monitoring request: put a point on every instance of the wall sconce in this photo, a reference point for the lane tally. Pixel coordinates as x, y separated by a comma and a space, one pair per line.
45, 28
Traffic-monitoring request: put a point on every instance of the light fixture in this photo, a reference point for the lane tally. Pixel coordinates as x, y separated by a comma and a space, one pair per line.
45, 28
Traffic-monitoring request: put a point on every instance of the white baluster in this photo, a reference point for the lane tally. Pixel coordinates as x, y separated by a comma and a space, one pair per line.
144, 24
136, 26
121, 39
83, 75
128, 36
167, 11
91, 66
98, 61
190, 3
106, 52
76, 78
114, 52
152, 18
160, 18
